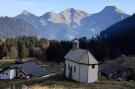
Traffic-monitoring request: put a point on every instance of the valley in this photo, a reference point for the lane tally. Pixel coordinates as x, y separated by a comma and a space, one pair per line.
69, 44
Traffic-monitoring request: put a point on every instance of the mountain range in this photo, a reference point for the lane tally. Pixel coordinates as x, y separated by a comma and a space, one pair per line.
68, 24
72, 23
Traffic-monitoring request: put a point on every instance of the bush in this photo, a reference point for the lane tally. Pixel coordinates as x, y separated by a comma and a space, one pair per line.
102, 78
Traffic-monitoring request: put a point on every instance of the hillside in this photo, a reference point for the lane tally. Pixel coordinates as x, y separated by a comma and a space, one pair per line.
121, 36
60, 82
11, 27
125, 27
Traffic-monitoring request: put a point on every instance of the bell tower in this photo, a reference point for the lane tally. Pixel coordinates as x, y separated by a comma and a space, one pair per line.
75, 44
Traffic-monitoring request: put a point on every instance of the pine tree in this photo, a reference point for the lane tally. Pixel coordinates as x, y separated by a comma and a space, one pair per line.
13, 52
22, 50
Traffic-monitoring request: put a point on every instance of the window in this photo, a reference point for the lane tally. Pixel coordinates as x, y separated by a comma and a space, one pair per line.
69, 66
93, 66
74, 68
19, 71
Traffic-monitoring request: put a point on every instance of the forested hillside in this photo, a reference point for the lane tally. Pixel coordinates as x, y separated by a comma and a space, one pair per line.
121, 36
25, 45
11, 27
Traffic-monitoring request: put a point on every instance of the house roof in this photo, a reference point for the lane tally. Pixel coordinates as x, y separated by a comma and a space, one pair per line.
4, 69
81, 56
111, 68
31, 68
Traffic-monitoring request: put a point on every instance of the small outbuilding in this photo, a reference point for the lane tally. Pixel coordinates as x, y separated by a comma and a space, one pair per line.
29, 69
7, 73
114, 71
23, 70
80, 65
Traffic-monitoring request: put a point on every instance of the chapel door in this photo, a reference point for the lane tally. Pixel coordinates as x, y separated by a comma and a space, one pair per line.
70, 72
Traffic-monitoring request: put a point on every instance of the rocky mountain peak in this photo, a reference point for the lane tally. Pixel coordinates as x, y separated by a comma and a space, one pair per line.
25, 12
112, 9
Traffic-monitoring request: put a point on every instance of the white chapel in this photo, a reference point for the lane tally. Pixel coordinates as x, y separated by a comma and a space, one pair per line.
80, 65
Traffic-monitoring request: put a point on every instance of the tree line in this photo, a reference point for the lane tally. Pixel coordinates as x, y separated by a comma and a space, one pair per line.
10, 48
102, 49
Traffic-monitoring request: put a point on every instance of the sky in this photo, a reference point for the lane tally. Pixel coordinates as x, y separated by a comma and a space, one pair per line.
39, 7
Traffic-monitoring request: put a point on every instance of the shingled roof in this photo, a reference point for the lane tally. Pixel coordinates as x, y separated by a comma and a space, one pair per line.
81, 56
31, 68
111, 68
